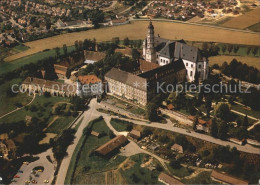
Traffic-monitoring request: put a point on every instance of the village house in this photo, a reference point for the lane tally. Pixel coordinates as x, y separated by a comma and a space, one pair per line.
177, 148
93, 56
227, 179
169, 180
111, 145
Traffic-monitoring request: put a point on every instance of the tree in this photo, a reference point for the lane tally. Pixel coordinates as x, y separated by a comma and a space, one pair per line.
126, 41
255, 50
65, 49
111, 134
57, 50
214, 128
224, 48
222, 111
230, 48
222, 130
135, 54
115, 40
77, 45
151, 111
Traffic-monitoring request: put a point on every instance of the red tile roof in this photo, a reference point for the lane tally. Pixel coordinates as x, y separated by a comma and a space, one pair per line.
89, 79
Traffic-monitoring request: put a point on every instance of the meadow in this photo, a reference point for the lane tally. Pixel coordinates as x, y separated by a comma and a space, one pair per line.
138, 29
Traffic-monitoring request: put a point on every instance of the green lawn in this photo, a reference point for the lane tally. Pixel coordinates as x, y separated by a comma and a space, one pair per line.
20, 48
94, 163
60, 124
120, 125
44, 108
10, 66
144, 175
7, 103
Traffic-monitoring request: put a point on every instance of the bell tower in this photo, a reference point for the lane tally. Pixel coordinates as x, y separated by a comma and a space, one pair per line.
150, 50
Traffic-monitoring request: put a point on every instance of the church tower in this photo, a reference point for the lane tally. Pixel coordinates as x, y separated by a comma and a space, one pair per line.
150, 54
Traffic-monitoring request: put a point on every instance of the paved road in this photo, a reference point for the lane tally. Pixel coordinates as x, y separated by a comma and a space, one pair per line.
18, 108
244, 148
47, 174
87, 116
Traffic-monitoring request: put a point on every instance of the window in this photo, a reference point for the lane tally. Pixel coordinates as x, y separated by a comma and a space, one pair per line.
186, 64
199, 66
191, 65
190, 73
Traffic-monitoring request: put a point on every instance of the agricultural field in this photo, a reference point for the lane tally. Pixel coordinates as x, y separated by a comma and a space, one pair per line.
137, 30
251, 61
244, 21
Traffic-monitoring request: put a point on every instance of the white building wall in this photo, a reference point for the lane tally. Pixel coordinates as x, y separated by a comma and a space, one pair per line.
163, 61
191, 70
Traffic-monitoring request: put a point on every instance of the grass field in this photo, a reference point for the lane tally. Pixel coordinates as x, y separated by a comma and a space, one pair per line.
9, 66
7, 104
143, 175
138, 29
120, 125
244, 21
88, 163
251, 61
44, 108
61, 123
242, 51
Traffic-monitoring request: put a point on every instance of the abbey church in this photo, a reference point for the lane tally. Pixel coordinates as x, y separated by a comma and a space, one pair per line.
164, 62
162, 51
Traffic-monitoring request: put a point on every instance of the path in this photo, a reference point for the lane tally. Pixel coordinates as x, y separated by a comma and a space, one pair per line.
19, 107
87, 116
244, 148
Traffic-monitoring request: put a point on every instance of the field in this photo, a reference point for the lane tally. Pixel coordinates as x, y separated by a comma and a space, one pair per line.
255, 27
89, 163
9, 66
244, 21
8, 104
138, 29
251, 61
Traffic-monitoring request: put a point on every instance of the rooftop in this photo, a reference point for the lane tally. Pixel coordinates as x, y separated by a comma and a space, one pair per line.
89, 79
169, 180
227, 178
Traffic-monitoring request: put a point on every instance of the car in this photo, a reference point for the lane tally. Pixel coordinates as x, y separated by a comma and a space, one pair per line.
34, 181
16, 176
45, 181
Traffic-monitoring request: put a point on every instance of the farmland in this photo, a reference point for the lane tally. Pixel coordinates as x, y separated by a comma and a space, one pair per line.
244, 21
137, 30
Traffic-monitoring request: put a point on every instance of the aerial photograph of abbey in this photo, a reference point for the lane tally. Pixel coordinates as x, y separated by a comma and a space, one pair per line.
122, 92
